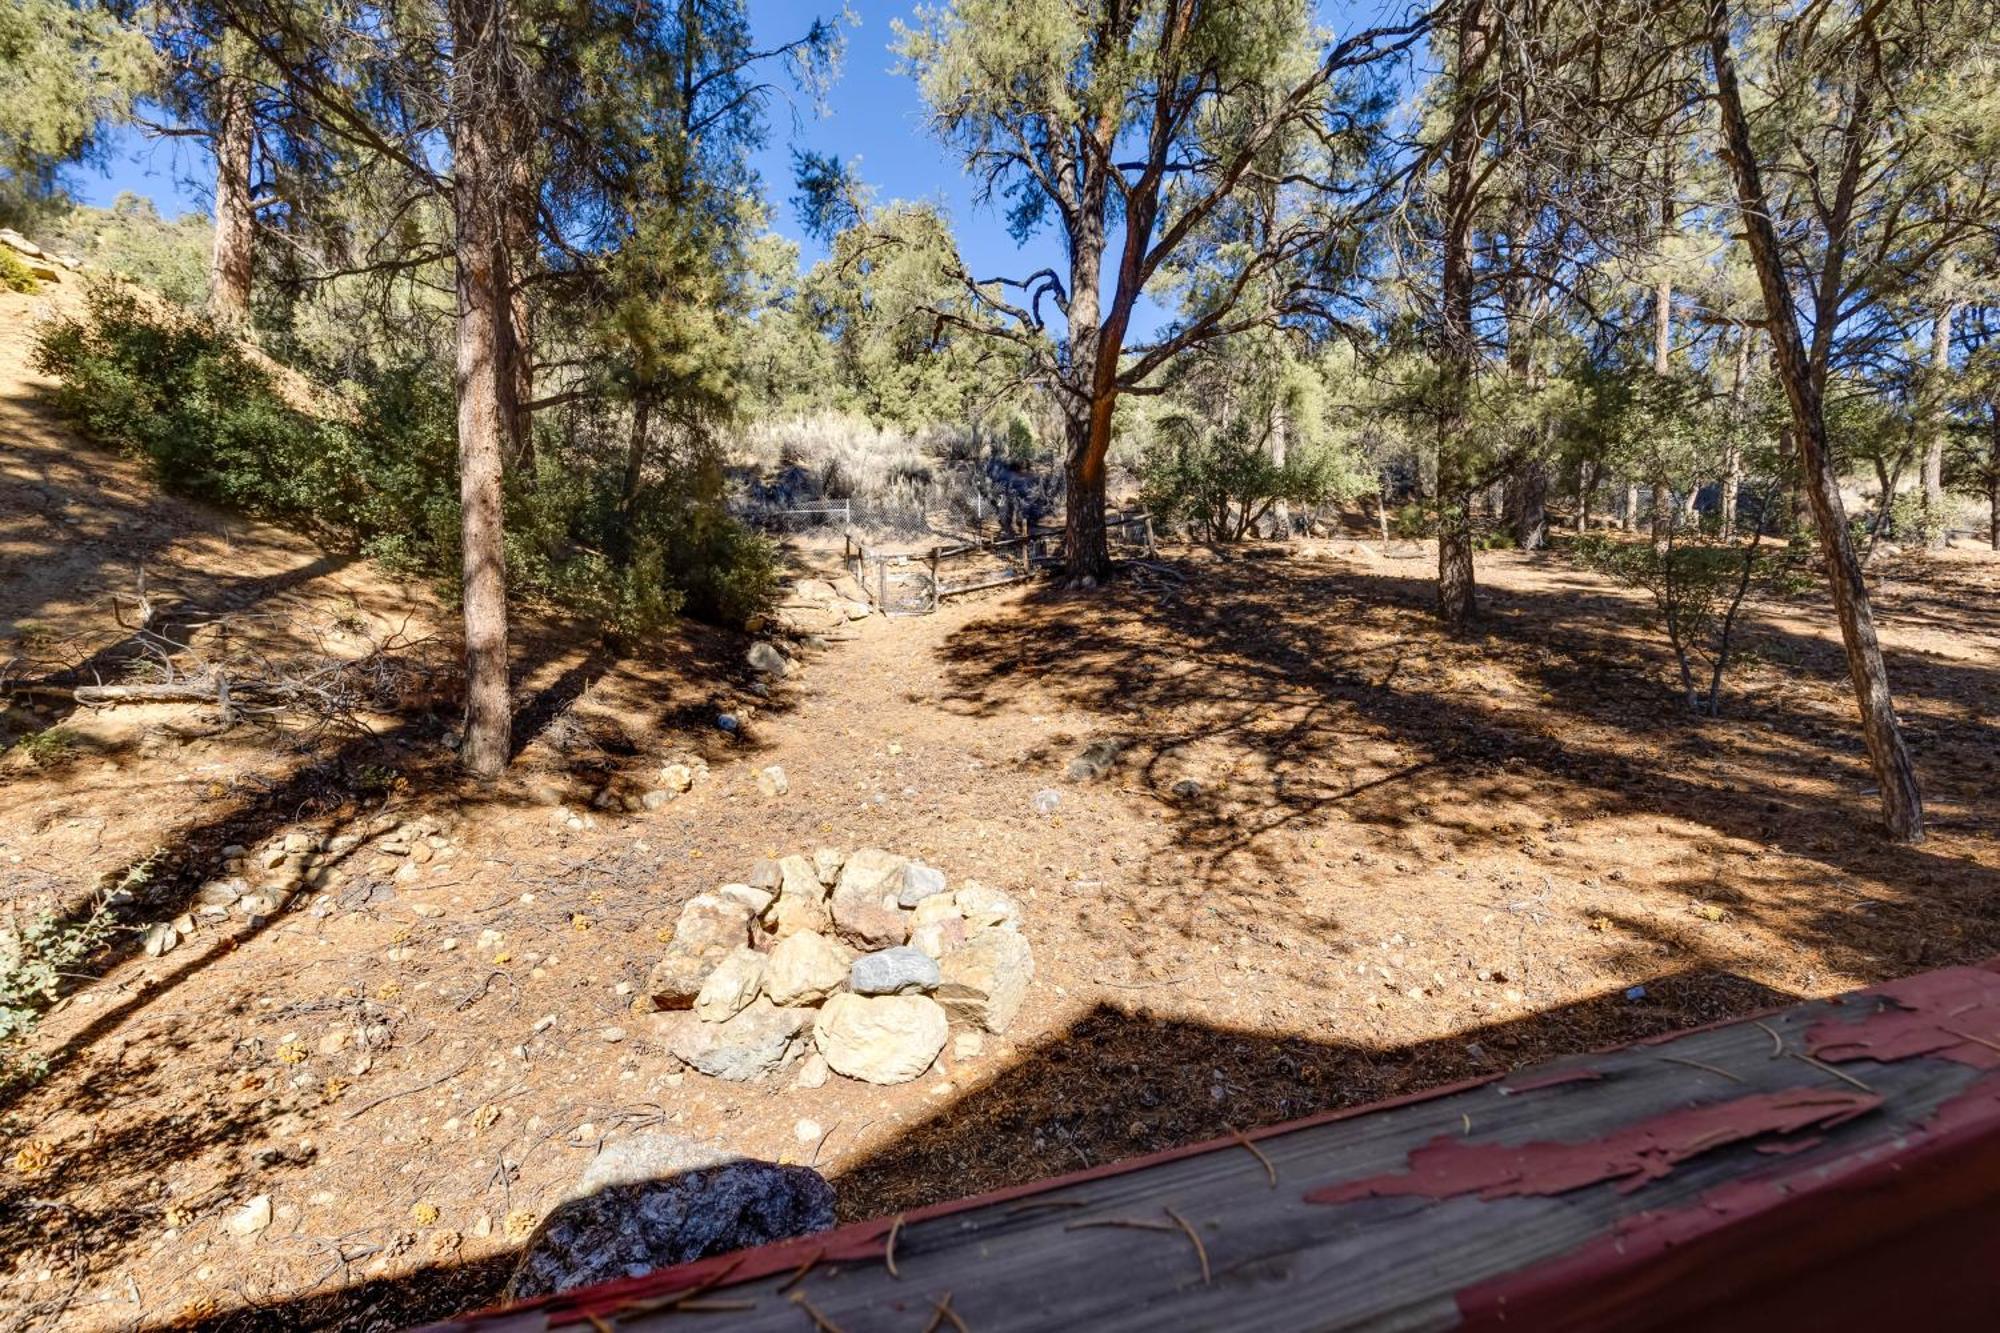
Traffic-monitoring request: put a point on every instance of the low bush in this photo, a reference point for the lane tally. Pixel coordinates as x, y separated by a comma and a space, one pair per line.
379, 473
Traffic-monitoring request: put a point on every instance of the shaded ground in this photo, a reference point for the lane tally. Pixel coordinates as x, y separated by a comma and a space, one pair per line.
1406, 859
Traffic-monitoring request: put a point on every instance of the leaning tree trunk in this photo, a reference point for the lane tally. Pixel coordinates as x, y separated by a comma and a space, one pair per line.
231, 260
1902, 802
485, 384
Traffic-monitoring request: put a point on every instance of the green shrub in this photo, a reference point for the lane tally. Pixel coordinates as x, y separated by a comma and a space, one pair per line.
171, 387
37, 958
15, 274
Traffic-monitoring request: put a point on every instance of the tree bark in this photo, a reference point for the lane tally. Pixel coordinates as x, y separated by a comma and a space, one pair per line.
1993, 477
1937, 531
231, 260
1527, 505
1457, 599
635, 452
1586, 482
1629, 519
1089, 398
1732, 454
1804, 377
485, 385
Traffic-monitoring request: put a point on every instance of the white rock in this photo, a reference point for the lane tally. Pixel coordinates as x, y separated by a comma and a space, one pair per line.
986, 978
881, 1038
251, 1218
981, 906
804, 968
772, 782
731, 986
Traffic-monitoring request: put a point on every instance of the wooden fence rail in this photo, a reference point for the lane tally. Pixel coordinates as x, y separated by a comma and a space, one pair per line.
916, 583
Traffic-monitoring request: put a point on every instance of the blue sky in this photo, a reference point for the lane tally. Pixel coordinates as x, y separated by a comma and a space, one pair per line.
873, 117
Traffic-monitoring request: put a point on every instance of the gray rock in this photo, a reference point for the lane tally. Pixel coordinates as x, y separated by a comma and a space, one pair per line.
657, 798
1096, 761
764, 874
881, 1038
161, 937
900, 971
767, 661
1046, 801
754, 1044
986, 978
657, 1200
919, 882
1187, 789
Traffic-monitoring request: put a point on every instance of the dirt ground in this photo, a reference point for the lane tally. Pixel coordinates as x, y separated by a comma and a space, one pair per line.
1344, 856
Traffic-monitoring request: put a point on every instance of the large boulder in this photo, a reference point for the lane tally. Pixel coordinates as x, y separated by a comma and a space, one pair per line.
881, 1038
863, 902
709, 928
804, 969
801, 902
754, 1044
985, 979
657, 1200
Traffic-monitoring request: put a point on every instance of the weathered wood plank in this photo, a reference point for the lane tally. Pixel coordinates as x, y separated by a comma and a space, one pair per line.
1777, 1173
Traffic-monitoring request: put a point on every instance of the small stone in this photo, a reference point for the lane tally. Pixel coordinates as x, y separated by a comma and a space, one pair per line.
1187, 789
1096, 761
676, 778
767, 661
881, 1038
813, 1071
220, 892
985, 979
613, 1035
827, 862
937, 908
251, 1218
161, 938
967, 1046
731, 987
1046, 801
981, 906
757, 900
808, 1131
301, 842
274, 856
657, 798
772, 782
919, 882
804, 968
901, 971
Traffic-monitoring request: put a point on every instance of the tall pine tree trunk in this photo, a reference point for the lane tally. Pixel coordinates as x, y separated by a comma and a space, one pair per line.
1732, 454
1804, 384
1458, 350
1937, 530
487, 412
231, 260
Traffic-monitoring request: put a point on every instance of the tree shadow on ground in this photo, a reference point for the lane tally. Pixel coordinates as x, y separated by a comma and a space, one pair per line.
1116, 1083
1336, 699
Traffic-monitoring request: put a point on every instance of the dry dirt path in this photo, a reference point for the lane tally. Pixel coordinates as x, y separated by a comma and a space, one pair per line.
1341, 856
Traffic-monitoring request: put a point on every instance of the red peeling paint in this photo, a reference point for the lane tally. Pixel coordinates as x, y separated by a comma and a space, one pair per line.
1555, 1078
1862, 1240
1953, 1014
1448, 1167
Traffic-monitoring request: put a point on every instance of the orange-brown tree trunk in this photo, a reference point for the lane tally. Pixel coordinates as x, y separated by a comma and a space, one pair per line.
231, 260
487, 411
